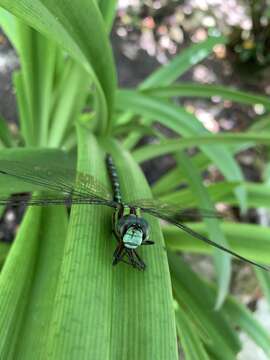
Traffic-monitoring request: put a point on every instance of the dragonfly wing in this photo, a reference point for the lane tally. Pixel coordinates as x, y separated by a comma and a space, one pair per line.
170, 219
181, 214
67, 185
44, 199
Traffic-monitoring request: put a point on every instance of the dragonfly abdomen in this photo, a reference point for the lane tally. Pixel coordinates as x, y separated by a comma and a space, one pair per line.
114, 179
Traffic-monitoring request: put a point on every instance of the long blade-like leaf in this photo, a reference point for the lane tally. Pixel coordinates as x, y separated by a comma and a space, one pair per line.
239, 314
190, 341
179, 120
5, 134
15, 281
181, 63
264, 280
168, 146
67, 23
149, 295
4, 249
208, 91
91, 291
69, 105
198, 304
34, 329
83, 294
37, 58
222, 260
107, 8
251, 241
167, 74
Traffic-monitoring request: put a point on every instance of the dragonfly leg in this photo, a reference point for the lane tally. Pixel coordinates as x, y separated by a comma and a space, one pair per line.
118, 253
148, 242
119, 256
135, 259
116, 236
132, 259
142, 263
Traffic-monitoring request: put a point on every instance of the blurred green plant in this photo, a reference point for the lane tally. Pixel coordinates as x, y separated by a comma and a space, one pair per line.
251, 47
60, 298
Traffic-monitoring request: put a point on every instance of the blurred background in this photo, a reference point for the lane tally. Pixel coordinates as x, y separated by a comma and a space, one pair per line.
147, 34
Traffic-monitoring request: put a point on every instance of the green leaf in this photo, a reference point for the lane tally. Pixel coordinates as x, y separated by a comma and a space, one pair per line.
236, 312
243, 318
84, 291
250, 241
217, 192
9, 185
87, 270
258, 195
15, 281
169, 181
70, 103
36, 155
167, 74
195, 299
174, 177
153, 290
177, 119
8, 24
107, 8
68, 24
132, 128
26, 126
261, 123
168, 146
5, 134
190, 341
40, 304
4, 249
221, 259
208, 91
264, 281
183, 62
37, 57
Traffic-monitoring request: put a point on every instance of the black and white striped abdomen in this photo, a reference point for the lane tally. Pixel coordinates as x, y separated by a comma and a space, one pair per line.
114, 178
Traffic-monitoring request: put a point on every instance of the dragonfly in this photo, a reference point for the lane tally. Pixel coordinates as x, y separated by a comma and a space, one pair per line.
61, 186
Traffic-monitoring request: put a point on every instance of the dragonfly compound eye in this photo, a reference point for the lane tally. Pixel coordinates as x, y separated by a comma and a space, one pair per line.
133, 237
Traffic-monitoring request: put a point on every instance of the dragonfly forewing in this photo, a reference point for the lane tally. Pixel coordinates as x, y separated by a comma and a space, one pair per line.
60, 186
174, 211
163, 215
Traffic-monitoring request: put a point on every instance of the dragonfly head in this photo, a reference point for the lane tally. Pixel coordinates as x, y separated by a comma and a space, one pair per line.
130, 227
133, 237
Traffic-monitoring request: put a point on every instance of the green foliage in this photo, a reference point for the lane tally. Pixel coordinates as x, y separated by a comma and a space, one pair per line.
207, 91
194, 294
60, 298
222, 260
